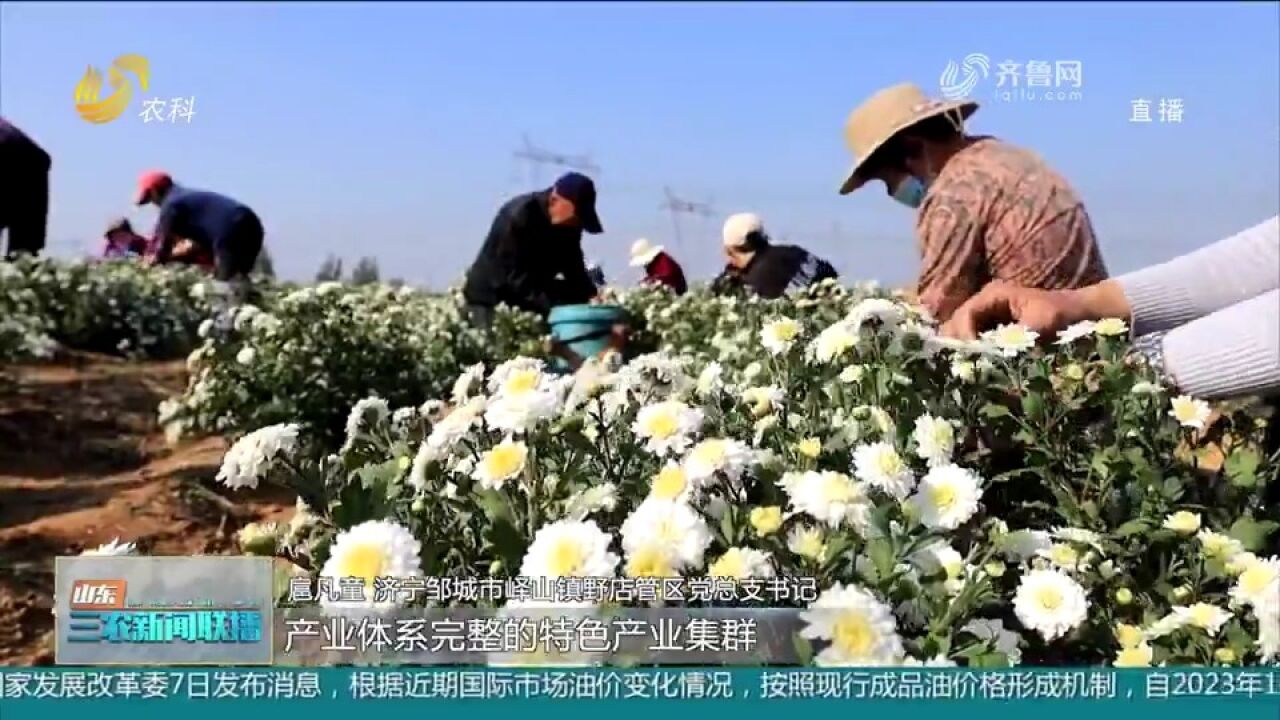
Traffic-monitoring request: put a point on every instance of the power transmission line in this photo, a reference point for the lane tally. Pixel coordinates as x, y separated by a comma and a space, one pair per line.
538, 157
678, 206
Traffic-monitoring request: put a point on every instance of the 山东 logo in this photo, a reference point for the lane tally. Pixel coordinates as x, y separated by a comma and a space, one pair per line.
98, 594
97, 110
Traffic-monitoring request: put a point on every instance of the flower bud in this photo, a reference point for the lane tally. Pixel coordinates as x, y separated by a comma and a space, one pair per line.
1124, 596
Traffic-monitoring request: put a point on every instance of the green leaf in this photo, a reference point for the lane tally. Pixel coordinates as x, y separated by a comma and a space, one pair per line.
507, 542
494, 506
881, 554
1242, 467
1033, 406
1133, 527
992, 410
726, 526
990, 660
1251, 533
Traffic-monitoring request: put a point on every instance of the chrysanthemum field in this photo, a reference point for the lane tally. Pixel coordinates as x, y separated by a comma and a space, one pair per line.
983, 504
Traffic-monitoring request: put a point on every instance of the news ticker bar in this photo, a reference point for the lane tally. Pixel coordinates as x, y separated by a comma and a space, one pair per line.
1170, 691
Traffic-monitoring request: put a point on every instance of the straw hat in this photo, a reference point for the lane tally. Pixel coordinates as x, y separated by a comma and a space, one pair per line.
642, 253
882, 115
739, 226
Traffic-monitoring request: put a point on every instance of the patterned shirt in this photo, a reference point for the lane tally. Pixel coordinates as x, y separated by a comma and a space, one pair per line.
998, 212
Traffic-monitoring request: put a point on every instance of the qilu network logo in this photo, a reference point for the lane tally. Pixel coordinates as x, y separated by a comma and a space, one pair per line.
959, 79
95, 109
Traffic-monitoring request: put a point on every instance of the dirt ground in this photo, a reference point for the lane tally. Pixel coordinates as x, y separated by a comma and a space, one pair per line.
82, 462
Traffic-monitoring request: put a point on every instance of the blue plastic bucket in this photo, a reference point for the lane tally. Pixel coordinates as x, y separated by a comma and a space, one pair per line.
584, 329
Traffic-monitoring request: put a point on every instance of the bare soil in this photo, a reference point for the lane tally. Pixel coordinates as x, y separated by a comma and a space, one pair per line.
82, 462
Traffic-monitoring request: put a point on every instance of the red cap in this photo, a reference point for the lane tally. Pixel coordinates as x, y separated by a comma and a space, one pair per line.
151, 181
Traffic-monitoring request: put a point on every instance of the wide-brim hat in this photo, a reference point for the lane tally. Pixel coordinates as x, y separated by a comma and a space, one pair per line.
642, 253
884, 115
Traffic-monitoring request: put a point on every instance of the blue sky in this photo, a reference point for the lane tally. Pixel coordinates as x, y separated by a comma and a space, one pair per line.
388, 129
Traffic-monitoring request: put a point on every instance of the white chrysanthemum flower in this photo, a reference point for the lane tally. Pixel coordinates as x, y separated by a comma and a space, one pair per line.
860, 629
1001, 638
570, 548
1079, 536
740, 563
1209, 618
711, 380
717, 455
520, 412
367, 412
1183, 522
365, 552
597, 498
466, 383
808, 542
667, 427
1110, 327
831, 498
1074, 332
1217, 546
853, 374
115, 548
518, 376
674, 528
964, 370
673, 483
504, 461
1145, 388
880, 465
246, 355
1259, 583
302, 521
779, 335
1011, 340
253, 455
1189, 412
941, 557
1064, 556
1050, 602
880, 420
887, 312
947, 497
1022, 545
834, 343
446, 434
1135, 656
935, 439
764, 400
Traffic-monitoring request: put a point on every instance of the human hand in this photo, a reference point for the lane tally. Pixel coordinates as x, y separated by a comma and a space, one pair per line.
1043, 311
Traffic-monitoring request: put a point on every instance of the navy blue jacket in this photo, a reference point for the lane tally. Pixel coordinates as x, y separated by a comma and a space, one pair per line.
20, 152
205, 218
528, 263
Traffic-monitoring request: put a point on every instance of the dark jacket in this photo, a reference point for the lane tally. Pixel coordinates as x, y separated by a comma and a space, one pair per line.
205, 218
774, 270
528, 263
20, 152
664, 270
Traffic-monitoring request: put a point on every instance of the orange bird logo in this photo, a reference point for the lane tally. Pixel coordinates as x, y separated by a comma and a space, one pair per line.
89, 89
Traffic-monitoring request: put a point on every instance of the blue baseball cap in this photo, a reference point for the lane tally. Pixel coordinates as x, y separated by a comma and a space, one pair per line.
579, 190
